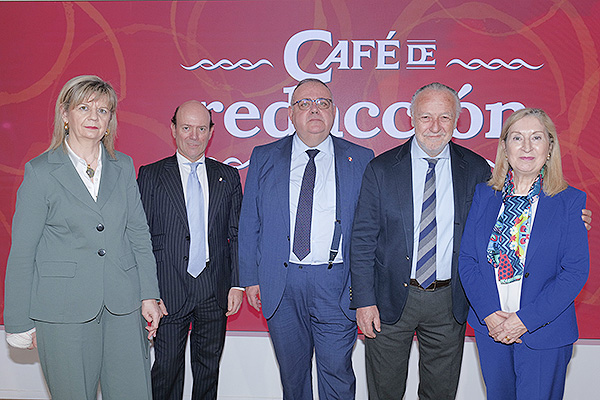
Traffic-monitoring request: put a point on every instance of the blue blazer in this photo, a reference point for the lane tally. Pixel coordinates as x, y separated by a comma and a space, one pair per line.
556, 266
264, 241
71, 255
383, 239
162, 196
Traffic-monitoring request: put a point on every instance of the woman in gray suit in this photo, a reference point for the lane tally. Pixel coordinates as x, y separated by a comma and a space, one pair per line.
81, 264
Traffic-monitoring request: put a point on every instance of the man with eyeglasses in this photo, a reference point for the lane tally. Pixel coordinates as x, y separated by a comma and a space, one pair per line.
406, 239
294, 238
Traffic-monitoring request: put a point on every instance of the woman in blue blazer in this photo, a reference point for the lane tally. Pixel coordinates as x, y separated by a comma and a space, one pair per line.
81, 266
524, 259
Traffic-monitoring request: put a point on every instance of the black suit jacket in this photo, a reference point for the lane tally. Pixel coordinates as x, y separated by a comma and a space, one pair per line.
382, 235
162, 196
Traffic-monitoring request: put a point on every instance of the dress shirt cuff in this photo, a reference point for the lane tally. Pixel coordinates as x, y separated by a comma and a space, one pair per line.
22, 340
239, 288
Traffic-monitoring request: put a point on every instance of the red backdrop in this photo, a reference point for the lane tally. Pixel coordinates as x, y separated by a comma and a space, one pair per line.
242, 58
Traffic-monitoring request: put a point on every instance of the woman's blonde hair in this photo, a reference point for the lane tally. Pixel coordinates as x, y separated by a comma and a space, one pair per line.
554, 182
76, 91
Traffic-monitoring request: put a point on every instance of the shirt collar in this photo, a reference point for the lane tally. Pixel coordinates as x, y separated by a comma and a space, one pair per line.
417, 152
184, 162
75, 159
299, 147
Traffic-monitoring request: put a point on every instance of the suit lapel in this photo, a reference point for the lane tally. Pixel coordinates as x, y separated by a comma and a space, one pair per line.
459, 186
281, 162
343, 167
404, 192
544, 215
492, 209
171, 179
67, 176
460, 173
215, 189
110, 175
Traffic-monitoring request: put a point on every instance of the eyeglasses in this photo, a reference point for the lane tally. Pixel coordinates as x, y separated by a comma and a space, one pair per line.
322, 103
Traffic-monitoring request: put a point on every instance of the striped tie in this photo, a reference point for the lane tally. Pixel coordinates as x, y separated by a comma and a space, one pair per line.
428, 230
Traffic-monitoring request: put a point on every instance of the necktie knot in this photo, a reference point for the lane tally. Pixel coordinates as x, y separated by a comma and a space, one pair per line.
194, 167
312, 153
432, 162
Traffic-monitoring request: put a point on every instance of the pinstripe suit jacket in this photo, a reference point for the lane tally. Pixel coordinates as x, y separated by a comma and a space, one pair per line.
164, 203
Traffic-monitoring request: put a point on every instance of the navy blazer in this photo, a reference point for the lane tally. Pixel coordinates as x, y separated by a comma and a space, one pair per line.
164, 202
382, 237
556, 266
265, 219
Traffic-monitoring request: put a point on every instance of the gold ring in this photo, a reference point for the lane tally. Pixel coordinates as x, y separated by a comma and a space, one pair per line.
507, 338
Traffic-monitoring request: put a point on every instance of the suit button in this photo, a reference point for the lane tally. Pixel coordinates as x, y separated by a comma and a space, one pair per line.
288, 238
526, 274
285, 264
407, 258
101, 252
187, 237
185, 258
405, 284
100, 227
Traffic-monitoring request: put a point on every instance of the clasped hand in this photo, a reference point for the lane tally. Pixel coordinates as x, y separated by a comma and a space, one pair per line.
505, 327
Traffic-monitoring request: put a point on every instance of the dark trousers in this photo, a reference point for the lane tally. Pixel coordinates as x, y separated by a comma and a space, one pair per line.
440, 339
309, 319
516, 371
207, 339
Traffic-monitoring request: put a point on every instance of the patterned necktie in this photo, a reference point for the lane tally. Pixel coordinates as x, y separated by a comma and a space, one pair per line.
195, 213
305, 206
428, 230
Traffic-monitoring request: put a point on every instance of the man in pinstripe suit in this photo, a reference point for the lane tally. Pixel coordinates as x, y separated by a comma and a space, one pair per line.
197, 267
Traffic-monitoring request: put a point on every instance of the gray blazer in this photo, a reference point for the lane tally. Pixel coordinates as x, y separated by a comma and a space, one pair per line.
71, 255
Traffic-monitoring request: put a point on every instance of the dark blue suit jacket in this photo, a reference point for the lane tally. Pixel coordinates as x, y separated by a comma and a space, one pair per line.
265, 219
556, 266
164, 203
382, 237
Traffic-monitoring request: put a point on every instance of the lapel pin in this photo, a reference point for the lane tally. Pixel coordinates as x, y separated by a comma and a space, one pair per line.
349, 158
220, 179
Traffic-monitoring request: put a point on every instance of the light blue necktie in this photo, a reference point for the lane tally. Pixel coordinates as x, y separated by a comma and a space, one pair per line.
195, 213
426, 256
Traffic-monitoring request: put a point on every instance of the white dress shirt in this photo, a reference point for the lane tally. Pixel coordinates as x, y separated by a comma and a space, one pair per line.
323, 215
444, 207
184, 172
92, 184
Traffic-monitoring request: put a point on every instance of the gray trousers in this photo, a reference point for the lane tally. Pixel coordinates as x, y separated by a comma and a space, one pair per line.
440, 339
110, 349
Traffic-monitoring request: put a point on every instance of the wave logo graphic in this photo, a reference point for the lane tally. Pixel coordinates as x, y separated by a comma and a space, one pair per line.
227, 65
236, 163
495, 64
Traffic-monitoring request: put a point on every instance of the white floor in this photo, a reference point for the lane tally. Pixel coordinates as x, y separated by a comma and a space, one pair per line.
249, 371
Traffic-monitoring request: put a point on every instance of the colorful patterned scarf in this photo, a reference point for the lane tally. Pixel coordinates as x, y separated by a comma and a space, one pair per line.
506, 249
